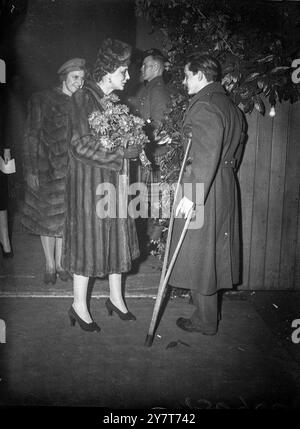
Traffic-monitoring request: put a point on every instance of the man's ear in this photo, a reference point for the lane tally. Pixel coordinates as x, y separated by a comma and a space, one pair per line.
155, 66
200, 75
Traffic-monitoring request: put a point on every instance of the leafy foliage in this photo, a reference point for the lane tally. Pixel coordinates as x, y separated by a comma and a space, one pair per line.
255, 43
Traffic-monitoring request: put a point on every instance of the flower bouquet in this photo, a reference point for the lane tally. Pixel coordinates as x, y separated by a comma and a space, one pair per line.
116, 127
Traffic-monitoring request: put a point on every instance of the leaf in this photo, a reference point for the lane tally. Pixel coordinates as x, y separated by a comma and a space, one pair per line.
245, 94
272, 97
248, 107
228, 69
172, 344
183, 343
227, 79
252, 76
266, 59
281, 68
259, 105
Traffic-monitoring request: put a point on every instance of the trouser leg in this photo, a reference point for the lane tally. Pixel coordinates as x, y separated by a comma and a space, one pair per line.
206, 312
4, 237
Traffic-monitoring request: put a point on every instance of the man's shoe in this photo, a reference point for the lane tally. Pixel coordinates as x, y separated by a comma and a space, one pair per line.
187, 325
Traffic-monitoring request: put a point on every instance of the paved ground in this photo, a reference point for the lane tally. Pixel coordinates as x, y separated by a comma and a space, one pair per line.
251, 363
23, 275
46, 362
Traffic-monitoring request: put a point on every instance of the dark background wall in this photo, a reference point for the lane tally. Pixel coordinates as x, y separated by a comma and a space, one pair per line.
39, 35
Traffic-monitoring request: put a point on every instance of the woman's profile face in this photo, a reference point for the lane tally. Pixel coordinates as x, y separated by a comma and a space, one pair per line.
119, 77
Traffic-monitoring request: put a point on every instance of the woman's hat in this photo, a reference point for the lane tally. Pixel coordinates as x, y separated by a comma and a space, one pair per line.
72, 65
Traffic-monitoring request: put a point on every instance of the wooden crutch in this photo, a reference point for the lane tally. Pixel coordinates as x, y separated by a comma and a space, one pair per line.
165, 274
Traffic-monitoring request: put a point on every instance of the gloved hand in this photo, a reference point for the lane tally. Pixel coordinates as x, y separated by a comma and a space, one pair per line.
132, 152
7, 155
33, 181
184, 207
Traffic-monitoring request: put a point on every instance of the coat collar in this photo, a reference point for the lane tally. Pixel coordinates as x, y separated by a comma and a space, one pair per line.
207, 90
154, 82
94, 88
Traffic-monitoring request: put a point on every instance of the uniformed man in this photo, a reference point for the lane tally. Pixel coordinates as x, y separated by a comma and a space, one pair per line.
151, 103
209, 259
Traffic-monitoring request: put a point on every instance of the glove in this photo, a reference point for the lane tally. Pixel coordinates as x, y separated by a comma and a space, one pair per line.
33, 181
7, 155
132, 152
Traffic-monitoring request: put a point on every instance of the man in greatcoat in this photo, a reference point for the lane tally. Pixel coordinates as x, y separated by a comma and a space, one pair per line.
209, 259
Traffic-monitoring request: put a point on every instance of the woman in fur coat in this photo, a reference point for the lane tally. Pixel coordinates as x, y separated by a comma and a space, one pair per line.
96, 245
45, 164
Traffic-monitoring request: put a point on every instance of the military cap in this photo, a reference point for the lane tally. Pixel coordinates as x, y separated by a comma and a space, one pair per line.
72, 65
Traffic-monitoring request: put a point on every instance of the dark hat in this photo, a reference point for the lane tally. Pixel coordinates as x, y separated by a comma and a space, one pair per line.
72, 65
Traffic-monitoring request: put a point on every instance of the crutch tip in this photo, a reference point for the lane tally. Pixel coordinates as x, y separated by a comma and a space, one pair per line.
149, 341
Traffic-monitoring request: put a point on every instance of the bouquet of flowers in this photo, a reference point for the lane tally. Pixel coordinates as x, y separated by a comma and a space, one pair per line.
116, 127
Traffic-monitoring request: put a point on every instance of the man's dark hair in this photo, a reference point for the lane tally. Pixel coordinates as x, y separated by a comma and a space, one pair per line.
209, 66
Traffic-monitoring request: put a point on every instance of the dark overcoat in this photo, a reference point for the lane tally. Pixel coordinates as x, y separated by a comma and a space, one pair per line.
45, 154
94, 245
3, 145
209, 258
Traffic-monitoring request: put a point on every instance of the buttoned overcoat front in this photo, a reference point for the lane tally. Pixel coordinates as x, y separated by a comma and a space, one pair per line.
210, 257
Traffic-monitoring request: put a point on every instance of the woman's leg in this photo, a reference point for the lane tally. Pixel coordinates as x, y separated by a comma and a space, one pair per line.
58, 250
115, 291
4, 238
48, 244
62, 274
80, 286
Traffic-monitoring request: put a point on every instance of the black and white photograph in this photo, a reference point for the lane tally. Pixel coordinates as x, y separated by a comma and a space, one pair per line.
149, 208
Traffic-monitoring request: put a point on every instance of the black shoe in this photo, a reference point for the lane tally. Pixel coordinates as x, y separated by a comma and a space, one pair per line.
7, 255
73, 316
112, 308
187, 325
50, 277
64, 275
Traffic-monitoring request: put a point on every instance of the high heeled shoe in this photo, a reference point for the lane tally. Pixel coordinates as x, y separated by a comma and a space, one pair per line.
7, 254
50, 277
112, 308
73, 316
